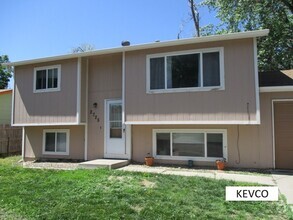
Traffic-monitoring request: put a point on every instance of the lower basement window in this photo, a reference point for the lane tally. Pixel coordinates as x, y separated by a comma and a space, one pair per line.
186, 144
56, 141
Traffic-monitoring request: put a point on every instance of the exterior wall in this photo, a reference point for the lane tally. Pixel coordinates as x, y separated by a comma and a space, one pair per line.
266, 115
5, 107
251, 153
45, 107
83, 90
105, 82
225, 105
34, 142
255, 142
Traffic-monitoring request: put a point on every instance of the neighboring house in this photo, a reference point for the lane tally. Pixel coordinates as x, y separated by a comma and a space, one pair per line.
10, 137
190, 99
5, 106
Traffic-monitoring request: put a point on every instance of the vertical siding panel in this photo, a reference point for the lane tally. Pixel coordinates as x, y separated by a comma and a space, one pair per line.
46, 107
227, 105
254, 151
105, 82
33, 145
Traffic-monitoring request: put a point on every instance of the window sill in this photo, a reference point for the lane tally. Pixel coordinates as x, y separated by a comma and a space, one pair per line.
202, 89
47, 90
204, 159
56, 153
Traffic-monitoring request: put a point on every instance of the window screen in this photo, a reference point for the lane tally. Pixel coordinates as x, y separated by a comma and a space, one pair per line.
50, 142
61, 142
157, 73
52, 78
215, 145
211, 69
163, 144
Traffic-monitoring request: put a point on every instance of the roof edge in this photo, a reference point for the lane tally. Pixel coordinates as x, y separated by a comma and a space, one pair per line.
222, 37
263, 89
5, 91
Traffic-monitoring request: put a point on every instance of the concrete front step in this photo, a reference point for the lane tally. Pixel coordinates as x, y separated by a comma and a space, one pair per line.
103, 163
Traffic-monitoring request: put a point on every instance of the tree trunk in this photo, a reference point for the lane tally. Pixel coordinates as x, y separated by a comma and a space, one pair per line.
195, 16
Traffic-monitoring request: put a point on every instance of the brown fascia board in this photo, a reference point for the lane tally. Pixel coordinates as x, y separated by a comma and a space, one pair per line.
5, 91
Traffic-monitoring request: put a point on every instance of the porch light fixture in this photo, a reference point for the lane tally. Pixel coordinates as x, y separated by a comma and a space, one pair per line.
95, 105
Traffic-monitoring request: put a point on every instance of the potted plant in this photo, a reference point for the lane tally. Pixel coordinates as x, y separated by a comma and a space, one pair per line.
221, 164
149, 160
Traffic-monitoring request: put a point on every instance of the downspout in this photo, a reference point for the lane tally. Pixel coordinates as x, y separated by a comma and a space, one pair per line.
123, 101
78, 101
23, 144
86, 112
257, 98
126, 128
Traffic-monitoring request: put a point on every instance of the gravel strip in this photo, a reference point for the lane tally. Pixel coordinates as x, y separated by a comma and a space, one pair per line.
50, 165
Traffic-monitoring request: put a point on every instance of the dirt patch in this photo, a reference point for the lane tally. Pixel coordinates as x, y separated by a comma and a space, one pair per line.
148, 184
118, 178
136, 208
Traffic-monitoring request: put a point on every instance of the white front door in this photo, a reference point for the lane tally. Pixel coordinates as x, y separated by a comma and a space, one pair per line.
114, 130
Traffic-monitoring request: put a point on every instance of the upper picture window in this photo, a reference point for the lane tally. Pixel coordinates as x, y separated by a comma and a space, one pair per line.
47, 78
193, 70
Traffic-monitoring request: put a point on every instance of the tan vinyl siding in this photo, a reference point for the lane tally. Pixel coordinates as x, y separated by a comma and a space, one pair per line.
45, 107
83, 90
252, 154
5, 108
252, 151
255, 142
105, 82
227, 105
266, 133
34, 142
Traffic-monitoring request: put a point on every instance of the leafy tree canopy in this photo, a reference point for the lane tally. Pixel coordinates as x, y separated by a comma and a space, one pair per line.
5, 72
274, 51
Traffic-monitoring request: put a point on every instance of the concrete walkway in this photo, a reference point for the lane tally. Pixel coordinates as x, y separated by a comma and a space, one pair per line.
103, 163
283, 181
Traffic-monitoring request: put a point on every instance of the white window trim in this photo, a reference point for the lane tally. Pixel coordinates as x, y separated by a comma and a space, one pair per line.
205, 131
186, 52
50, 89
56, 131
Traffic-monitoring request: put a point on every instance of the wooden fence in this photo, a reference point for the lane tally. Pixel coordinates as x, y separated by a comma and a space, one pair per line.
10, 140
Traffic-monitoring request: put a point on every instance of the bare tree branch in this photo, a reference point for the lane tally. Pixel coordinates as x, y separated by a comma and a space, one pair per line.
83, 48
195, 16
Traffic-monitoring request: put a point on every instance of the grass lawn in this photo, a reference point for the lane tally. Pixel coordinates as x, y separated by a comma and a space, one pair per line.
104, 194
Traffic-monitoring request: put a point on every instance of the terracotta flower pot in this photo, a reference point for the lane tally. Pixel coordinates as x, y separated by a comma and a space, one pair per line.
220, 165
149, 161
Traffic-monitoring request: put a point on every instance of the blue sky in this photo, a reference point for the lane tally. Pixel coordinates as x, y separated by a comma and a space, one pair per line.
41, 28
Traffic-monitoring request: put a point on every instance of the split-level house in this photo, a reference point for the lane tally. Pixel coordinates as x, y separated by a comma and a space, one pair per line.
190, 99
